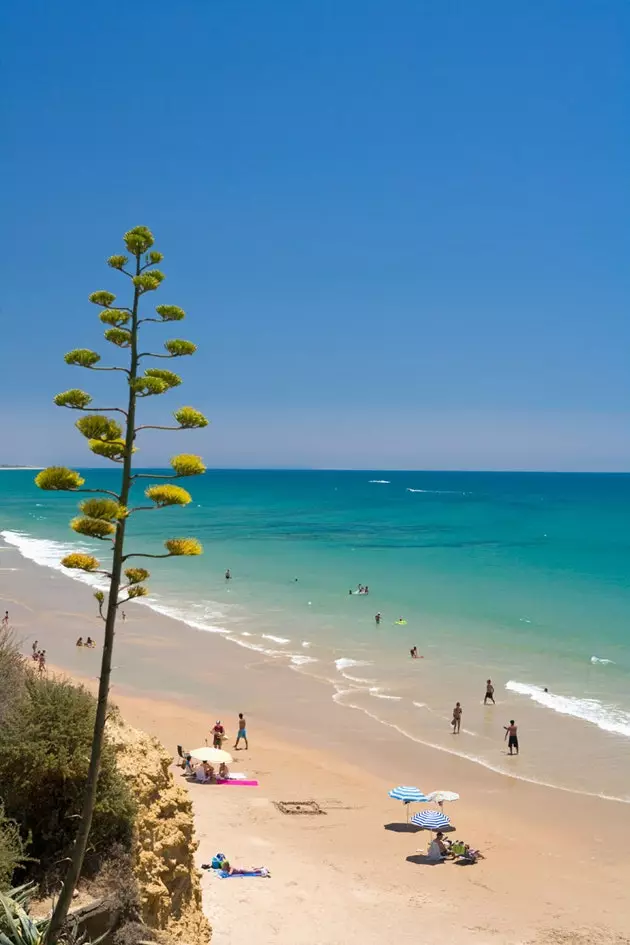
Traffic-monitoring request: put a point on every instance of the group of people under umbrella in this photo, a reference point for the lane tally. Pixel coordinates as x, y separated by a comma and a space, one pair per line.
435, 821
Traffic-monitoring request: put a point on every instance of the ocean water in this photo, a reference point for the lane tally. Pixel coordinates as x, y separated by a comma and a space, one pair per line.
520, 577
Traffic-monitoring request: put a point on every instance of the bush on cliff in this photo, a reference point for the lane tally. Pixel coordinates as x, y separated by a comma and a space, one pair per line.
12, 849
44, 756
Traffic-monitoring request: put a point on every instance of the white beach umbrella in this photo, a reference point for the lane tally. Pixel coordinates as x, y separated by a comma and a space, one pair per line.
438, 797
213, 755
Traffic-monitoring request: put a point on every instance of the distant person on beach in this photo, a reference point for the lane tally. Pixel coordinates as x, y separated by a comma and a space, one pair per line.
228, 575
35, 648
5, 619
90, 642
80, 641
489, 693
218, 734
414, 652
511, 734
242, 731
42, 661
457, 718
123, 615
366, 589
377, 618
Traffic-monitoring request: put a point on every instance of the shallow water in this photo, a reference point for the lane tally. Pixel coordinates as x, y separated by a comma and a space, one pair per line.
520, 577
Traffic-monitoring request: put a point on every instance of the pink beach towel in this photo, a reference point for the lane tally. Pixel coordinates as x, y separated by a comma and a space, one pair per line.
229, 781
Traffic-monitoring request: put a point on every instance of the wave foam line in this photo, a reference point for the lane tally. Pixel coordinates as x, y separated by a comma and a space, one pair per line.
474, 758
607, 717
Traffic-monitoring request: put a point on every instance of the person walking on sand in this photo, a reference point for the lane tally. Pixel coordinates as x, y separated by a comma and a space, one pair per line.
124, 616
489, 693
5, 619
242, 732
457, 718
511, 733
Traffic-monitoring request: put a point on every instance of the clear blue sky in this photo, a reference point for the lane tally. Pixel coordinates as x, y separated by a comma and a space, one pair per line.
400, 230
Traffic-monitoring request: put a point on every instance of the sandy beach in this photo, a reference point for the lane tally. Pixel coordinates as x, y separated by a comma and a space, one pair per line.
556, 867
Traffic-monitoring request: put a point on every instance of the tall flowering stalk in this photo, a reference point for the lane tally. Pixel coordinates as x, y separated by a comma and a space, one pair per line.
104, 516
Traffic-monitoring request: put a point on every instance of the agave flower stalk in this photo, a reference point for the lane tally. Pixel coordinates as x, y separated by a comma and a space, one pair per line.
105, 518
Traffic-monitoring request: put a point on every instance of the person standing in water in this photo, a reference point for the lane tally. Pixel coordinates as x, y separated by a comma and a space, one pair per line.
228, 575
457, 718
242, 731
489, 693
511, 733
377, 618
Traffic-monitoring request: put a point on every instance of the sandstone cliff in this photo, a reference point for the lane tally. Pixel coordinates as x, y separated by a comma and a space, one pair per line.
164, 844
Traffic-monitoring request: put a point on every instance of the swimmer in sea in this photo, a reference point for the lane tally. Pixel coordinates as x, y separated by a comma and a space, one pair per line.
377, 618
228, 575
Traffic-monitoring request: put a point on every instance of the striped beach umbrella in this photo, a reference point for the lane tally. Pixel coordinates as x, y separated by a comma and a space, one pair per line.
408, 795
431, 820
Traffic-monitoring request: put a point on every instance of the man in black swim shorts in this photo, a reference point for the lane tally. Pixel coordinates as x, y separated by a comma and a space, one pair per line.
512, 737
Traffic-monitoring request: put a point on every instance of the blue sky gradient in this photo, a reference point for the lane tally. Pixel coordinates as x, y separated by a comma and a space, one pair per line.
400, 230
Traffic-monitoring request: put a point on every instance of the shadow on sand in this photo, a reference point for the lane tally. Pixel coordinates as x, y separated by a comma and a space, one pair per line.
402, 828
421, 859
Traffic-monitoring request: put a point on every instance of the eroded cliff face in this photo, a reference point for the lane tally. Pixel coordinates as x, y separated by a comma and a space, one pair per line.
164, 844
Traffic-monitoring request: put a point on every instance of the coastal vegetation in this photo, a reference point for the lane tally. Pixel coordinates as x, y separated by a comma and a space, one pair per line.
105, 514
45, 743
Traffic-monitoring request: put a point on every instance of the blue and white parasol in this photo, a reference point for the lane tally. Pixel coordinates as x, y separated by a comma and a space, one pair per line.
431, 820
408, 795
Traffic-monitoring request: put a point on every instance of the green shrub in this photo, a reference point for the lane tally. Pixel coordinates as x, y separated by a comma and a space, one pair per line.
12, 849
44, 756
12, 673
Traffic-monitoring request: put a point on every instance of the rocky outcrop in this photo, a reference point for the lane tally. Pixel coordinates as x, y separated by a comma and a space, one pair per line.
164, 842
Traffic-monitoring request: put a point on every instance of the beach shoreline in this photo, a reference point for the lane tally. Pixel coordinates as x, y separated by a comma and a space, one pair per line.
173, 681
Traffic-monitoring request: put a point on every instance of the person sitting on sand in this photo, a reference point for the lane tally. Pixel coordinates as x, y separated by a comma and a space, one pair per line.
80, 641
224, 771
444, 845
208, 771
90, 642
188, 765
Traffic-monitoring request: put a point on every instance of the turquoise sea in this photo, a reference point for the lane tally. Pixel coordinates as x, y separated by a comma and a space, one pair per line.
521, 577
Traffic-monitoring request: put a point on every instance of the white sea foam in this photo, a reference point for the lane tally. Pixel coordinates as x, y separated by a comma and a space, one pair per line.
439, 491
245, 634
299, 660
380, 482
305, 643
607, 717
48, 554
344, 663
376, 693
269, 636
597, 659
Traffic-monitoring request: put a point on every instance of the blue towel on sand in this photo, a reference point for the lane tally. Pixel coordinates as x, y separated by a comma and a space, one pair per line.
225, 875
